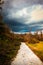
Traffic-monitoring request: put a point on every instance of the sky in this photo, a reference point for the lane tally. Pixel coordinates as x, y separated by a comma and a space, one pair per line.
23, 15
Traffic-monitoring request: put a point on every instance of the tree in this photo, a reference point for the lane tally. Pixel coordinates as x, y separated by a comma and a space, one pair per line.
1, 17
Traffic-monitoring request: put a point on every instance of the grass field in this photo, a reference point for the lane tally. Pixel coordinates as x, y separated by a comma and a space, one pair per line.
37, 48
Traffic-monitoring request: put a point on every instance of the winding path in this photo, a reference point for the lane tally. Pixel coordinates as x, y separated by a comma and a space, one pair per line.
26, 57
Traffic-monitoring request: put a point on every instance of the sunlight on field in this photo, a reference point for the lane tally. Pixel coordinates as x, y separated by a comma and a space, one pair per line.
38, 49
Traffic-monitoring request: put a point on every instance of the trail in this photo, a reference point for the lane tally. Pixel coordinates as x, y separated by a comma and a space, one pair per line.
26, 56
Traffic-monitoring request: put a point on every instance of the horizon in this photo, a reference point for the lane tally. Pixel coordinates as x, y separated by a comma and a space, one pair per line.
32, 32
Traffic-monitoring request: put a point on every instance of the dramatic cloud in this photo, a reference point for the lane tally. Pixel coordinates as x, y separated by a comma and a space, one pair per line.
29, 13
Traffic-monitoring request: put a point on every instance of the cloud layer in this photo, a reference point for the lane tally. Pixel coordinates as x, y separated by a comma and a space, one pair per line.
26, 13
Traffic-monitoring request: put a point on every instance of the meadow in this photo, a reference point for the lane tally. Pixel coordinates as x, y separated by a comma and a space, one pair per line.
37, 48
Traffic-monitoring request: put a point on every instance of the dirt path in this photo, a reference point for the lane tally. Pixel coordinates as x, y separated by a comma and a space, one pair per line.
25, 56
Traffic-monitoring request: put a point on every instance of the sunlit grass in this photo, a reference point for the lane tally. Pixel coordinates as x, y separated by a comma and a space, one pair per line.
37, 48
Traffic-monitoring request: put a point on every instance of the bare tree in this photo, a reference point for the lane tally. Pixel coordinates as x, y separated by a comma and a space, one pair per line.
41, 34
1, 2
1, 17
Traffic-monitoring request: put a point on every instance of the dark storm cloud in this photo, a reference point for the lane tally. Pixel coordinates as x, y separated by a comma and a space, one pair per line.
40, 1
19, 27
17, 5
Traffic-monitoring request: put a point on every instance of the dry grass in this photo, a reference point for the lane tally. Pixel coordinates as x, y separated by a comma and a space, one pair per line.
37, 48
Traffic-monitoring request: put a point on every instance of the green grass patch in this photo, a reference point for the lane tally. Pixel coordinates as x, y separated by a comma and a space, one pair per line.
8, 50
